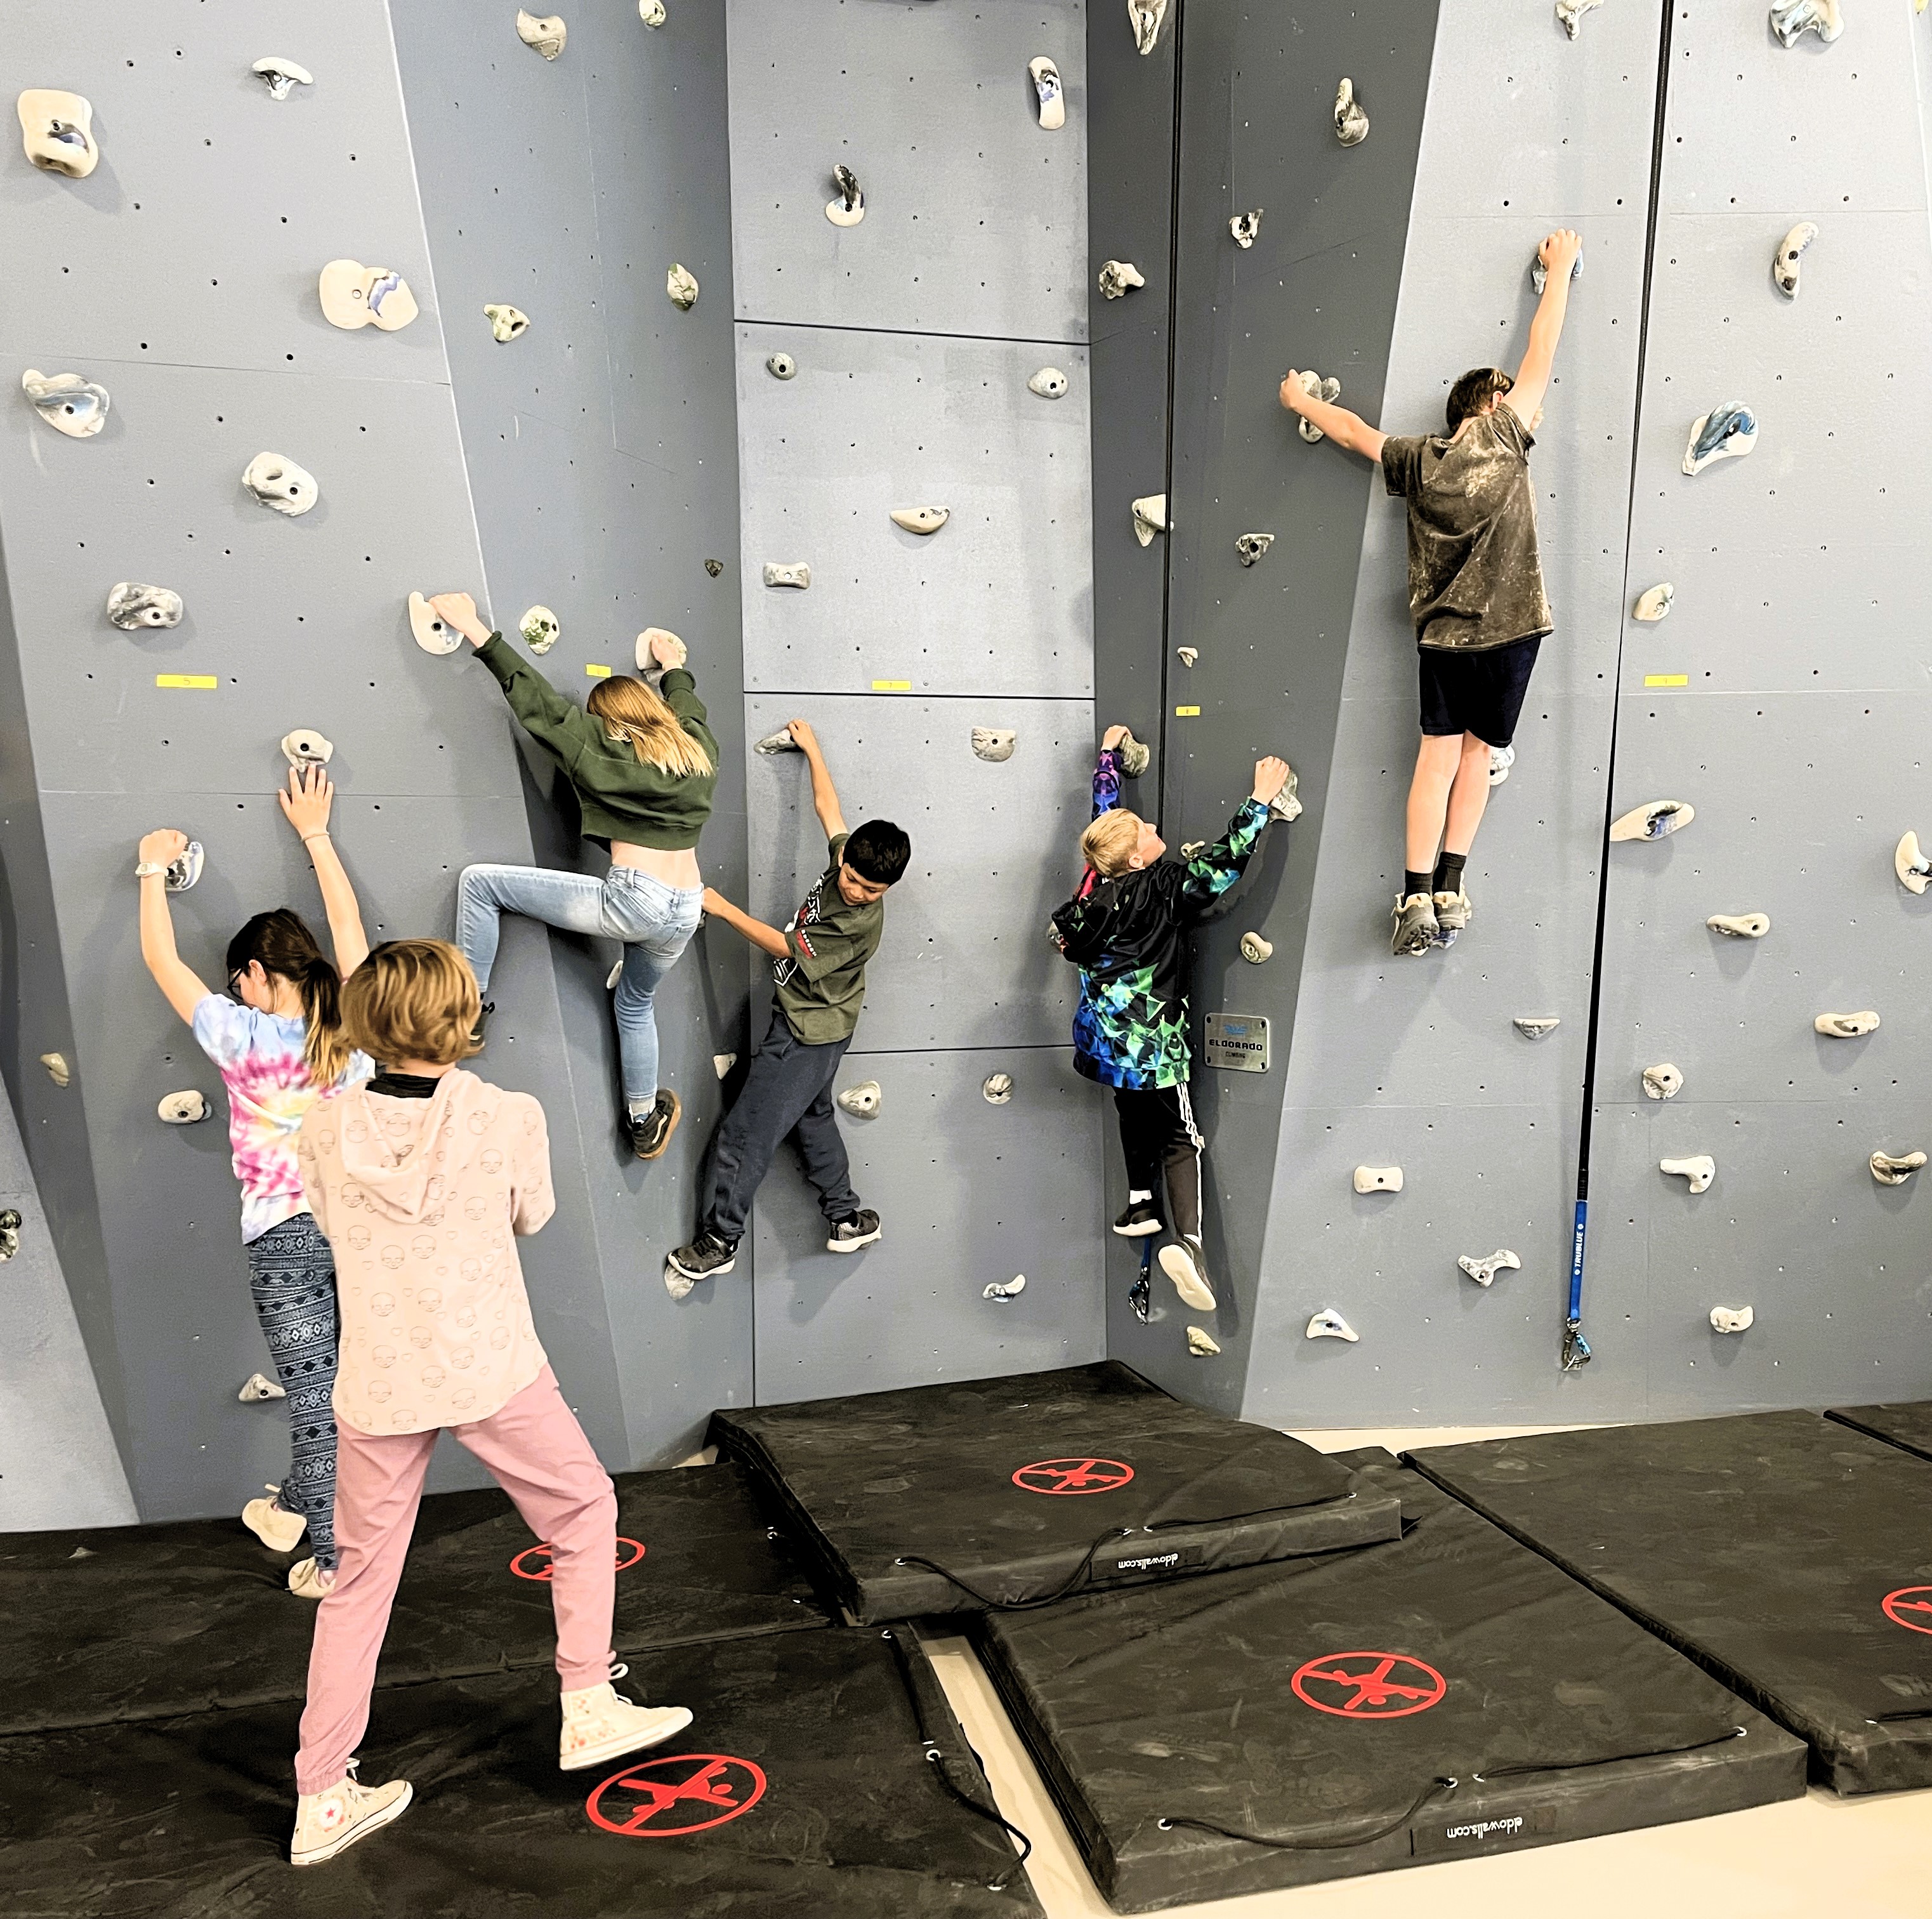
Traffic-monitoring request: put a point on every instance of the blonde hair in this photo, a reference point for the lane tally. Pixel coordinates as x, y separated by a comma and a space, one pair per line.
1108, 844
412, 999
630, 710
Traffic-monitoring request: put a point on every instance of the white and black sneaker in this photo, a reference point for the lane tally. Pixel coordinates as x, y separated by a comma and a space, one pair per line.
706, 1256
859, 1228
1184, 1263
1141, 1217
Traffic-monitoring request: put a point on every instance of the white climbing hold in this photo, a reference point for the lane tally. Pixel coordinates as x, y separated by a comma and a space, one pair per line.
1329, 1324
780, 741
1150, 517
677, 1284
1654, 603
183, 1109
652, 12
793, 573
184, 870
1845, 1025
1013, 1288
546, 32
1189, 847
1655, 819
257, 1388
506, 323
540, 629
69, 403
1740, 926
1784, 261
1187, 656
994, 743
428, 631
721, 1063
1050, 384
997, 1088
1890, 1172
1700, 1169
1913, 869
862, 1100
1052, 100
1245, 226
1145, 17
645, 651
1501, 758
1662, 1081
353, 296
1201, 1344
1136, 756
1536, 1025
1484, 1271
282, 77
57, 130
1790, 19
1286, 804
9, 1245
1119, 277
1256, 950
1539, 273
780, 366
849, 208
57, 1068
279, 485
681, 285
1351, 123
1731, 1319
130, 604
1249, 547
1316, 387
1728, 432
921, 519
1571, 12
307, 747
1379, 1179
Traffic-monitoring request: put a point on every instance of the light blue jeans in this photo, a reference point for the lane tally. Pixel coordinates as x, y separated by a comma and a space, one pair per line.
654, 921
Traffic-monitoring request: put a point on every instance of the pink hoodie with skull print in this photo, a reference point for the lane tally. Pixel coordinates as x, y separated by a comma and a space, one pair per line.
422, 1200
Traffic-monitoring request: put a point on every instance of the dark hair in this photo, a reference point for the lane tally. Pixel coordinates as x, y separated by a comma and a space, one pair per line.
878, 852
283, 945
1474, 391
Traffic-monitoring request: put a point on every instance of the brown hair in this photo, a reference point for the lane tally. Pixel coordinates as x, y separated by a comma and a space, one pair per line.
1477, 388
630, 710
1108, 844
412, 999
282, 944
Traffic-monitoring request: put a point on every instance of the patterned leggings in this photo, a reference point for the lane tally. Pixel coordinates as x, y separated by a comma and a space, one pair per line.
292, 1275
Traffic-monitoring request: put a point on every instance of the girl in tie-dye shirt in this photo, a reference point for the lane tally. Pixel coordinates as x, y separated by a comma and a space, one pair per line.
277, 1042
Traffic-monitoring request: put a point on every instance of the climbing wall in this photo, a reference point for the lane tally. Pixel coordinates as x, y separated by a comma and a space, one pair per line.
910, 338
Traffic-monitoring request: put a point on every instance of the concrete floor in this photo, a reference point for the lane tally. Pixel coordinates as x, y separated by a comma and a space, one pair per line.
1821, 1855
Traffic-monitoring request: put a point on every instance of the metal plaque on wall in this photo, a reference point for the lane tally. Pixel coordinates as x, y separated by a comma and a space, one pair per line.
1238, 1041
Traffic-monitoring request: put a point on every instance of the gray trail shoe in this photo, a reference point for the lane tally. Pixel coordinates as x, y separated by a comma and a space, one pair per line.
1415, 927
1452, 910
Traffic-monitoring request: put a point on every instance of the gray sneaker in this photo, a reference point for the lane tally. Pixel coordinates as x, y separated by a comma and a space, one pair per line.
1452, 911
857, 1229
1415, 927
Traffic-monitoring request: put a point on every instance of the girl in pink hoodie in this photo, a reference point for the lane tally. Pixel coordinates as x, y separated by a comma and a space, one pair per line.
423, 1177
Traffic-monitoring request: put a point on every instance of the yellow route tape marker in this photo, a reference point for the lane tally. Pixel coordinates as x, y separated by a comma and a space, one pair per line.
1667, 679
597, 672
205, 680
1187, 713
891, 685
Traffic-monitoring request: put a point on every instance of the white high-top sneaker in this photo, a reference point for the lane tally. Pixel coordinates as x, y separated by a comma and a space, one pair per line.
327, 1822
599, 1723
278, 1529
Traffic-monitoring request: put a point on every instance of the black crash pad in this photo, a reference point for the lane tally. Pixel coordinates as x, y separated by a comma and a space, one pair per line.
816, 1736
1789, 1556
1908, 1424
1015, 1492
135, 1622
1319, 1704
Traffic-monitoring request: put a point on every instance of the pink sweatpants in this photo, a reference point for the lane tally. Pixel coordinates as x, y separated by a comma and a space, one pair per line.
536, 1451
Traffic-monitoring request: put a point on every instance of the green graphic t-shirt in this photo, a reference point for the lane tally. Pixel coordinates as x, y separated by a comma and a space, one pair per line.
821, 982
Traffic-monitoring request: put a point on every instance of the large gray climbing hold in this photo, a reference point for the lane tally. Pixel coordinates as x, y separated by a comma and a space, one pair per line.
994, 743
69, 403
1150, 517
1791, 19
863, 1100
1379, 1179
130, 604
1740, 926
1012, 1290
1484, 1271
1784, 261
1728, 432
1539, 273
1536, 1025
787, 574
1351, 123
1731, 1319
780, 741
1700, 1169
1655, 819
1662, 1081
1890, 1172
849, 208
255, 1389
183, 1109
1329, 1324
1913, 869
1119, 277
1146, 16
1244, 226
1845, 1025
1249, 547
1571, 12
1136, 756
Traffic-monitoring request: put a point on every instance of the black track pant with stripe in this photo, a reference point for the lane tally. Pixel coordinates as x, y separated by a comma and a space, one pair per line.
1160, 1141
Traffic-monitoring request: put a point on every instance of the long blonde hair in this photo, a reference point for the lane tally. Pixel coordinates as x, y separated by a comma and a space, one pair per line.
630, 710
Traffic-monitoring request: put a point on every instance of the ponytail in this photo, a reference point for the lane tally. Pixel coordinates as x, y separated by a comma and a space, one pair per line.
630, 710
282, 944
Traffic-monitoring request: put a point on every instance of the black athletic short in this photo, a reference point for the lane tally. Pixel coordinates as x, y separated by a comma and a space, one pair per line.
1480, 693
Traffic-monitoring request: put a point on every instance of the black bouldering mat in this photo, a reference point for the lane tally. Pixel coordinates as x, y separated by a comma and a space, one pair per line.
1908, 1424
1445, 1695
1016, 1491
803, 1789
135, 1622
1790, 1556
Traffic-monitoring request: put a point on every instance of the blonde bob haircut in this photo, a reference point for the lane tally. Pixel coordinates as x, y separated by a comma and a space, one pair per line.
630, 710
1108, 844
412, 999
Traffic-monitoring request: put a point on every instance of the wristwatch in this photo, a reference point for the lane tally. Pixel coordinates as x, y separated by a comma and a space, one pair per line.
148, 869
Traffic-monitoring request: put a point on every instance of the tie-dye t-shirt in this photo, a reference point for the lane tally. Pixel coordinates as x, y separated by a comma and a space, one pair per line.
269, 1089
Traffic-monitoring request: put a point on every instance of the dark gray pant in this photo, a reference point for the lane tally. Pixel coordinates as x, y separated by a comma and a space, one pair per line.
787, 1090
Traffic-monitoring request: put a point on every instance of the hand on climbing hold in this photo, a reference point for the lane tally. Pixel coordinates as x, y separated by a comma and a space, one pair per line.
459, 610
1271, 777
1559, 254
162, 846
305, 803
1293, 395
666, 648
1113, 737
803, 736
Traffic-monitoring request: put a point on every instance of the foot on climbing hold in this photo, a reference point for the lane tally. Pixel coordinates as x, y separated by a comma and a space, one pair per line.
1484, 1271
1890, 1172
1656, 819
1663, 1082
1187, 656
1539, 273
257, 1388
1726, 433
1329, 1324
1182, 1261
130, 604
1351, 124
546, 33
281, 76
68, 403
1250, 547
1200, 1345
1256, 950
540, 629
1146, 16
1536, 1025
1700, 1169
1571, 12
1731, 1319
849, 208
780, 741
1379, 1179
1655, 604
862, 1101
1136, 756
921, 519
793, 574
994, 743
1791, 19
1244, 226
1845, 1025
506, 323
1740, 926
1501, 758
1013, 1288
1150, 517
682, 285
1050, 384
1784, 261
428, 631
1415, 927
280, 485
1912, 866
997, 1088
1052, 101
183, 1109
1118, 276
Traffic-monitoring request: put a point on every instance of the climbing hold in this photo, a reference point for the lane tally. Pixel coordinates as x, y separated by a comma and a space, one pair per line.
1484, 1271
1911, 866
546, 33
257, 1388
68, 403
1316, 387
130, 604
1013, 1288
1250, 547
1050, 384
1118, 276
57, 1068
1501, 758
57, 130
1536, 1025
429, 632
682, 287
1845, 1025
1379, 1179
307, 747
1329, 1324
675, 1283
1146, 16
648, 644
1571, 12
1052, 102
1351, 124
1539, 273
1190, 848
1286, 804
1890, 1172
1655, 604
1245, 226
278, 483
1740, 926
1728, 432
1791, 19
1731, 1319
921, 519
788, 574
282, 77
1655, 819
1135, 756
354, 296
1256, 950
185, 1109
862, 1100
1200, 1345
1663, 1082
1784, 261
506, 323
780, 741
1187, 656
1699, 1170
651, 12
780, 366
9, 1245
1150, 517
714, 567
997, 1088
540, 628
185, 869
721, 1063
849, 208
994, 743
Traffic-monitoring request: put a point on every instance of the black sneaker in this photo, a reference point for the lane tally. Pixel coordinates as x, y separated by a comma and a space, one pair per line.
705, 1257
860, 1229
479, 1034
1141, 1218
650, 1132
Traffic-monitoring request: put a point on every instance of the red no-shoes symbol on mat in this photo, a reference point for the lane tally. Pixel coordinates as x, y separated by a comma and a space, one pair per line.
1369, 1686
533, 1562
1910, 1607
666, 1798
1072, 1475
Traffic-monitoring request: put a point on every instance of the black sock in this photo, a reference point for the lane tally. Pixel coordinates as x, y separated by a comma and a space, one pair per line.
1413, 883
1449, 872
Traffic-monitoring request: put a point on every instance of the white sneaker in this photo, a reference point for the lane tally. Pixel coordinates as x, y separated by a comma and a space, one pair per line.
277, 1529
599, 1723
307, 1580
1181, 1261
327, 1822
